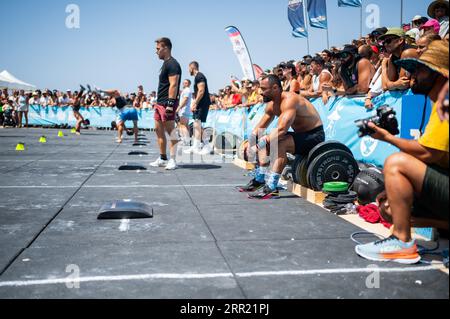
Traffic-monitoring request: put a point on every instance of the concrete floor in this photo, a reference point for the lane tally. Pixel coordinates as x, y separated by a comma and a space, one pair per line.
206, 240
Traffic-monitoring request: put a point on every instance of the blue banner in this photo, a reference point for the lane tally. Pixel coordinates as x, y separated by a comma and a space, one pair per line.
99, 117
317, 13
349, 3
338, 117
296, 17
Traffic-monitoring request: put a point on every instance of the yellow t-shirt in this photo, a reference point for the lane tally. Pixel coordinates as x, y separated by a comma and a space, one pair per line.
254, 97
437, 137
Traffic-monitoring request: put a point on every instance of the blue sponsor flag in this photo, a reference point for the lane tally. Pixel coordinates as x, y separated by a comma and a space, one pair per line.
349, 3
296, 16
317, 12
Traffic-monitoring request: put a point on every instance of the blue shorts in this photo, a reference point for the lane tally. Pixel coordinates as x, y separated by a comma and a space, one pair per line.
128, 114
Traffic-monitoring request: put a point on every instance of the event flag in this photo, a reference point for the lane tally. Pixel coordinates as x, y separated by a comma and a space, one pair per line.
241, 51
317, 13
349, 3
296, 17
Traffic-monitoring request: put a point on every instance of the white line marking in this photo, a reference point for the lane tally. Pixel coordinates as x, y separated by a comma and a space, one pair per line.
124, 225
217, 275
337, 271
119, 186
113, 278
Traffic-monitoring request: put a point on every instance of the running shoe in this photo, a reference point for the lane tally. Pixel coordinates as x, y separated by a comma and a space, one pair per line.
159, 163
192, 150
207, 150
390, 249
265, 193
252, 186
172, 165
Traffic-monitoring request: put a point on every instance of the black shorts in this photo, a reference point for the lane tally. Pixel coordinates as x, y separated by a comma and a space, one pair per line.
76, 108
201, 114
433, 202
305, 142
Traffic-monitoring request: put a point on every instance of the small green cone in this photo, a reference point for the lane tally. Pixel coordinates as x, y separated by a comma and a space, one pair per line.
60, 134
73, 131
20, 147
43, 140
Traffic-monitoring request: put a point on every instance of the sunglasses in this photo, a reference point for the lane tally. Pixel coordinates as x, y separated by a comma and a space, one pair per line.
388, 41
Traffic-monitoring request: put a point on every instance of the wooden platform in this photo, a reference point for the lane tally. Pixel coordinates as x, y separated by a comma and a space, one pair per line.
306, 193
244, 165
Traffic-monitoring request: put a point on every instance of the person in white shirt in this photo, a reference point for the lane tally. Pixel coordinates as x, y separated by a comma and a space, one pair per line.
45, 99
416, 23
185, 112
22, 108
64, 100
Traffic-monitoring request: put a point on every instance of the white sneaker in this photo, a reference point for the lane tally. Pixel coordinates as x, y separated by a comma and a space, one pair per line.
206, 150
159, 163
172, 165
191, 150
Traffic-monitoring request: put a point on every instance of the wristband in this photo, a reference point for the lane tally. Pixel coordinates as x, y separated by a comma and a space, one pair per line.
171, 103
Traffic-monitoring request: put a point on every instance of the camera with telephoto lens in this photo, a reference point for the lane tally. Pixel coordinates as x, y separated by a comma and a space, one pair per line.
385, 118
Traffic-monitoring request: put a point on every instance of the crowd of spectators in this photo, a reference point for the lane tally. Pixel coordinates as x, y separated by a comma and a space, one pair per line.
366, 66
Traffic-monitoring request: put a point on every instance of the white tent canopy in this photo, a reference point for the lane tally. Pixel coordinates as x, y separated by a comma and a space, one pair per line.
9, 81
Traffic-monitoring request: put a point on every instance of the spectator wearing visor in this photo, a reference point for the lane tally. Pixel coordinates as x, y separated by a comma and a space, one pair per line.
395, 78
417, 22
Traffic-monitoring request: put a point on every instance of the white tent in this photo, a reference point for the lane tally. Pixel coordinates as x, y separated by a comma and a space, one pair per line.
9, 81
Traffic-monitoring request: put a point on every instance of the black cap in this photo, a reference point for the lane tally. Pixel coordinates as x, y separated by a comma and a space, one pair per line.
350, 49
379, 31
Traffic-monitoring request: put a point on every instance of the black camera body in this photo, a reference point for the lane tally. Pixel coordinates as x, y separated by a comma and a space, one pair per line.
385, 118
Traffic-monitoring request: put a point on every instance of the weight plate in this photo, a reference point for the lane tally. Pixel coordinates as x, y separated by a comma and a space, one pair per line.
335, 187
220, 142
240, 153
332, 166
208, 134
231, 141
304, 172
298, 169
325, 147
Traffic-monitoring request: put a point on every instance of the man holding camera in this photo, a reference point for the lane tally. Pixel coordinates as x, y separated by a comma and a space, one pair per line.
418, 175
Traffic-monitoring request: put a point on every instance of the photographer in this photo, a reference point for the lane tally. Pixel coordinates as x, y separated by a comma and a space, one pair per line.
418, 175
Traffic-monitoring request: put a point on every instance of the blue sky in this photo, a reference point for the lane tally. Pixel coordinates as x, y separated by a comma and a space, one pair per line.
114, 47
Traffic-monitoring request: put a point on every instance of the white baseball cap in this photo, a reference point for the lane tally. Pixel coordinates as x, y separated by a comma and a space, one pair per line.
417, 17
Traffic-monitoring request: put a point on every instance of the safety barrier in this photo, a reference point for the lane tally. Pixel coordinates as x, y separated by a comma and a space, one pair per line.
99, 117
338, 116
